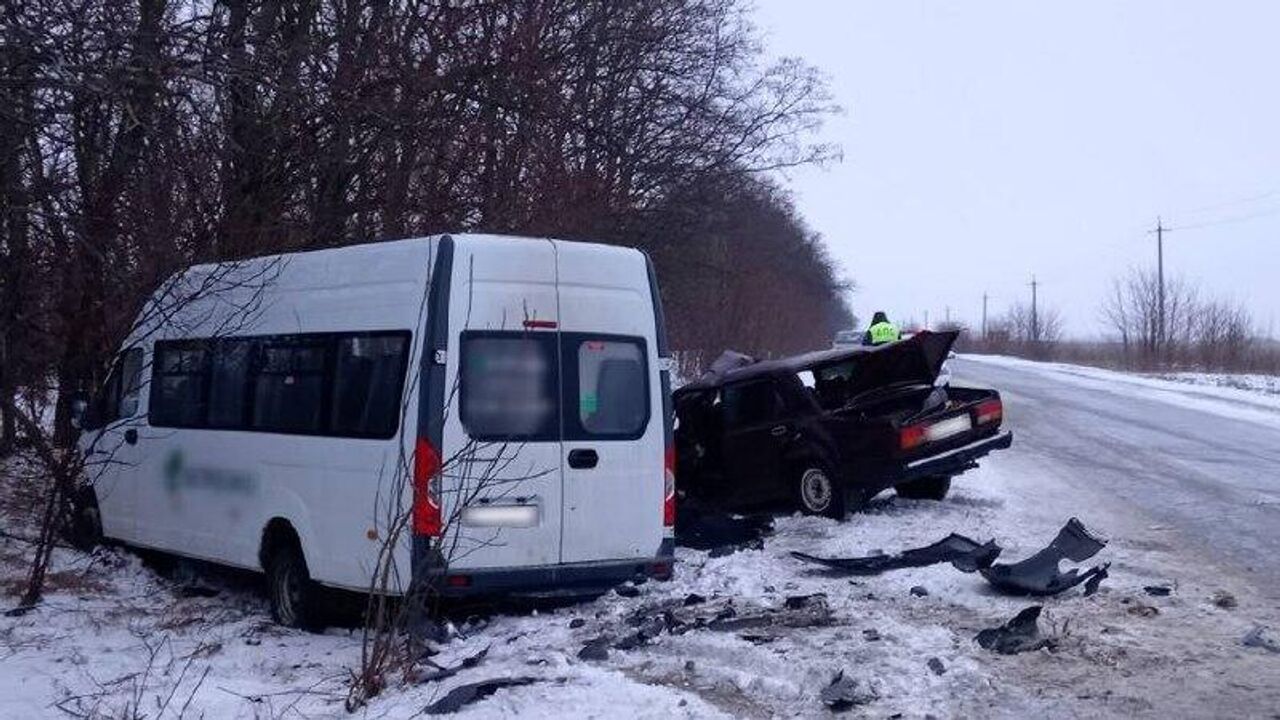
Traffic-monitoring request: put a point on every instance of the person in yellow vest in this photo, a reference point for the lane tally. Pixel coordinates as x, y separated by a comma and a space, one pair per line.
881, 331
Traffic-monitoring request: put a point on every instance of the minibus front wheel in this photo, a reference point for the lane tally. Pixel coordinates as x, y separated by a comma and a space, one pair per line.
294, 596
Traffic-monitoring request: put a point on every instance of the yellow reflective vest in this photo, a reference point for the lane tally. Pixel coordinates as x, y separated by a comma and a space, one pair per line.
883, 332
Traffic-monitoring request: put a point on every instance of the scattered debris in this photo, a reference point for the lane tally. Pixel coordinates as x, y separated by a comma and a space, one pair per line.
871, 635
936, 666
919, 591
693, 599
464, 695
1142, 610
1224, 600
844, 693
797, 602
1021, 634
597, 649
1040, 574
576, 623
1255, 638
1157, 590
966, 554
1099, 574
627, 590
447, 672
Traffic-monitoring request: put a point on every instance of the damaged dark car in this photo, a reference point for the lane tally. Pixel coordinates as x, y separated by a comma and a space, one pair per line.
828, 430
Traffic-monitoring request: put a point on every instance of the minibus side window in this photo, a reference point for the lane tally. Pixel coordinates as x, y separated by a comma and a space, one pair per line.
367, 380
508, 386
228, 377
178, 384
612, 390
118, 397
288, 386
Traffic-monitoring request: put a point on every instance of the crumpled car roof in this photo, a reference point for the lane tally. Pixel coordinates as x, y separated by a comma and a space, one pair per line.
928, 349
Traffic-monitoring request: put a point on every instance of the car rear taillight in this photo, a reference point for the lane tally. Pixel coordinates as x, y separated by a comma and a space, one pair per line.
911, 436
988, 411
669, 488
426, 489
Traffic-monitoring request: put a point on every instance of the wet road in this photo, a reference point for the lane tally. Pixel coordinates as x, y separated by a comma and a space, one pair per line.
1215, 479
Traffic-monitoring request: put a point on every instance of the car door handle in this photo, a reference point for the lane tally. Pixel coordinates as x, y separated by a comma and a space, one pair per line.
583, 458
778, 431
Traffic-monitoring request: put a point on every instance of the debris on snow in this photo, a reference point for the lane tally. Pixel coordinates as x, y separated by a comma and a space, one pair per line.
1157, 590
1143, 610
1021, 634
964, 553
1255, 638
1040, 574
919, 591
844, 693
1224, 600
936, 666
448, 672
466, 694
597, 649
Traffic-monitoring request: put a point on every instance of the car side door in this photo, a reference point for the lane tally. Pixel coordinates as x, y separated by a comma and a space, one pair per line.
754, 432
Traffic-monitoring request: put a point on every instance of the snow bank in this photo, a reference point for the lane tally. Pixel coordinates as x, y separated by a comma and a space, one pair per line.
1253, 398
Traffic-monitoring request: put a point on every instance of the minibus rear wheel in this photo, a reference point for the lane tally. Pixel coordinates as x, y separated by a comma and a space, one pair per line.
294, 597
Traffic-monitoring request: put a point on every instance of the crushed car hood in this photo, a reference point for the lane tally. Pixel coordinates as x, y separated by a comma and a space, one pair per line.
917, 359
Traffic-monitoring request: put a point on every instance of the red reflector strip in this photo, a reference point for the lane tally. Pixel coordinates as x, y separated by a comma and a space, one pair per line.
457, 580
541, 324
669, 488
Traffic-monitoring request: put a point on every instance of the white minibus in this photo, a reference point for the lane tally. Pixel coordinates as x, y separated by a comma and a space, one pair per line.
488, 415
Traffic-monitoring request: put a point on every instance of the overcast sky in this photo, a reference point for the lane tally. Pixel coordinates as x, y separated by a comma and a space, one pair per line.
986, 141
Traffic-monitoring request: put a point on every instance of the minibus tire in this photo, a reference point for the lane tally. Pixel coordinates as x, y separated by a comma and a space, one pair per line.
294, 597
85, 529
928, 488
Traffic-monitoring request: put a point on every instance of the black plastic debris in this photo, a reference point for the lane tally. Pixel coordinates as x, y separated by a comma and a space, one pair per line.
448, 672
597, 649
936, 666
871, 635
919, 591
464, 695
1255, 638
966, 554
844, 693
693, 599
576, 623
1021, 634
1040, 574
1091, 585
627, 590
1157, 590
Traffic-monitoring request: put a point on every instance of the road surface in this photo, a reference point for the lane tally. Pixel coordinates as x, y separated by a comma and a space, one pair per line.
1214, 478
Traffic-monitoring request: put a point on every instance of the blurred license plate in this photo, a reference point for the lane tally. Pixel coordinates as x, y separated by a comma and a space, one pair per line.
500, 516
944, 429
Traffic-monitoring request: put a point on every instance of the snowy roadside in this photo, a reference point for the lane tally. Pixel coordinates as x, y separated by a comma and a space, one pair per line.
113, 635
1242, 397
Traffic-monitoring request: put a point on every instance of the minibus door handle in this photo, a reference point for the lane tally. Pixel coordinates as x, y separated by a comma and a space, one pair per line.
583, 458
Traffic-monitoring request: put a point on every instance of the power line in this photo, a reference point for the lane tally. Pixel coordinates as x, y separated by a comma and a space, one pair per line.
1227, 221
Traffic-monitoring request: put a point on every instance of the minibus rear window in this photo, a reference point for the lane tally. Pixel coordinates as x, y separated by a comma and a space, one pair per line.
508, 386
612, 387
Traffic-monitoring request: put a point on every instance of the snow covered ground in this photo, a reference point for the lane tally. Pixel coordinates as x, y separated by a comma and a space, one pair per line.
114, 638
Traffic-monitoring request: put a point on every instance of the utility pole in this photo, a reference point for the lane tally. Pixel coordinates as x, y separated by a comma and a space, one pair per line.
1160, 231
1035, 321
948, 314
984, 317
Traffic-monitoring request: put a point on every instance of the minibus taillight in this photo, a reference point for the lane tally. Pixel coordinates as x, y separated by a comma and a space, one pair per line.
988, 411
669, 488
426, 489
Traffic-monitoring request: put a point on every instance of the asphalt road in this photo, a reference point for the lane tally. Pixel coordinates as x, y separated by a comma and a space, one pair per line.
1215, 479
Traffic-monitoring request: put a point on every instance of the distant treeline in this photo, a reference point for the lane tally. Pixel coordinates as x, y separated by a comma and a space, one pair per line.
138, 136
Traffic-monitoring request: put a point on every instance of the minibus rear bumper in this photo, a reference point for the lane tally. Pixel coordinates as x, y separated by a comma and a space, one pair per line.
552, 581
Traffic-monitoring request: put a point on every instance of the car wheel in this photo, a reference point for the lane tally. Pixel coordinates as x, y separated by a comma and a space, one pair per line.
930, 488
820, 492
294, 597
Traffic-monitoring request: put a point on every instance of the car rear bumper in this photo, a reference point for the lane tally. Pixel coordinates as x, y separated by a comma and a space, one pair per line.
552, 581
955, 460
